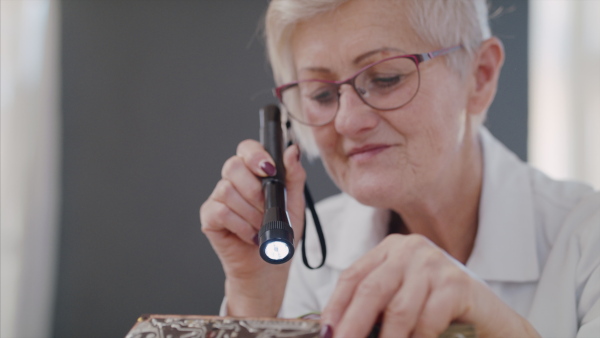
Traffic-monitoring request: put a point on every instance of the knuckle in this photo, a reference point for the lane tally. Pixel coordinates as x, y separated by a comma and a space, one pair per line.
434, 258
220, 212
416, 241
244, 145
349, 275
392, 239
397, 310
203, 228
206, 221
369, 289
207, 213
224, 190
250, 151
454, 278
208, 217
232, 164
299, 175
203, 212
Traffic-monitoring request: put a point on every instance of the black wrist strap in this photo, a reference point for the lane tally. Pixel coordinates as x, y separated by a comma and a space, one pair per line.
311, 206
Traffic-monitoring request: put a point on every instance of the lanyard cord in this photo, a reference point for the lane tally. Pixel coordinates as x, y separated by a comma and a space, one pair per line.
311, 206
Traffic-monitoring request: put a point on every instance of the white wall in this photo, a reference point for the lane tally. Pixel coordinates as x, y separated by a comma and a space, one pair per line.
564, 66
30, 129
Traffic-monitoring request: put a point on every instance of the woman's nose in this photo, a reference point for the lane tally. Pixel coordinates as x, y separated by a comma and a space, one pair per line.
353, 114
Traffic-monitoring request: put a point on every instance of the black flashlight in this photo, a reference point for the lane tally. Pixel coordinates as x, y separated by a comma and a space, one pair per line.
276, 236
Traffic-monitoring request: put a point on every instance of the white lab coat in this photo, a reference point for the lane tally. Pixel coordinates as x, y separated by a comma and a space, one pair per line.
537, 246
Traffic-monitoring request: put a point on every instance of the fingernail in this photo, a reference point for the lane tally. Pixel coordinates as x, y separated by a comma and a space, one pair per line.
255, 239
268, 168
326, 331
299, 152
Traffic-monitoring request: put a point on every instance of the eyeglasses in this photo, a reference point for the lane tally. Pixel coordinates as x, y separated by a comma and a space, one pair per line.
387, 84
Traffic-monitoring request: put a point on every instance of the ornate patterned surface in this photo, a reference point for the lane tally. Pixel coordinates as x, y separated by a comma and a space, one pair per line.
179, 326
163, 326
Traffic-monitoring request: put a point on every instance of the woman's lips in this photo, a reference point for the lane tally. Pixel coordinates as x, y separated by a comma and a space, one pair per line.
366, 152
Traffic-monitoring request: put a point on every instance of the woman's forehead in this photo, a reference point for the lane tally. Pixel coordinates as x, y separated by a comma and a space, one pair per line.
354, 31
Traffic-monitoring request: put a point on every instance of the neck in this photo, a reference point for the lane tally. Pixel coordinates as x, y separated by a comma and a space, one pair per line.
449, 217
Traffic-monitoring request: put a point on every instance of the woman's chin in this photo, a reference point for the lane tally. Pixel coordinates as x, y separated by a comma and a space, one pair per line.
373, 192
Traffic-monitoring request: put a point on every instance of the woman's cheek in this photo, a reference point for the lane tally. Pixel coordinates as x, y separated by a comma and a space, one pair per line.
329, 150
325, 137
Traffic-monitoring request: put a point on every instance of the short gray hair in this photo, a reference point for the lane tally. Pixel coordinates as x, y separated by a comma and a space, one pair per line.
429, 18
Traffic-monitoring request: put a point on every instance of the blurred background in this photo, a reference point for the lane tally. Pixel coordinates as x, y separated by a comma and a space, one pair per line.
118, 115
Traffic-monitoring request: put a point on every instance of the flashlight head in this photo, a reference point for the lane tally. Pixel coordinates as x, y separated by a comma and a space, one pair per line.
276, 251
276, 240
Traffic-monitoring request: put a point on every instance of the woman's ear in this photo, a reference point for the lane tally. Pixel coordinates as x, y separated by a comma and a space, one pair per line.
484, 73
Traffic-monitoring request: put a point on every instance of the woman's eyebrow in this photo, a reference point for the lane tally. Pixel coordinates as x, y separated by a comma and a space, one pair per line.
361, 57
356, 60
315, 69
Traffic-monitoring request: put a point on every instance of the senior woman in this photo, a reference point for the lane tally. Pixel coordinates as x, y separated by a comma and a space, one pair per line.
437, 222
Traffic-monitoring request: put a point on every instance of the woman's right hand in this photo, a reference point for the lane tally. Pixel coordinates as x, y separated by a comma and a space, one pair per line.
231, 218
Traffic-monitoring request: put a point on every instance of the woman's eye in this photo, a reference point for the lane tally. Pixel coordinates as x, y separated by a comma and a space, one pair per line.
323, 96
386, 81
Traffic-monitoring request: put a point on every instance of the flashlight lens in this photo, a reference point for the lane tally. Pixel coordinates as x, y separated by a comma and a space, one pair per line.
277, 250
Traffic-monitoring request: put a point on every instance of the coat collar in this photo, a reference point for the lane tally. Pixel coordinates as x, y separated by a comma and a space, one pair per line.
505, 244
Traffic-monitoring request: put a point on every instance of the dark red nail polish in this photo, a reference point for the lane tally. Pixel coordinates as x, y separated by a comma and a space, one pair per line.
326, 331
255, 239
268, 168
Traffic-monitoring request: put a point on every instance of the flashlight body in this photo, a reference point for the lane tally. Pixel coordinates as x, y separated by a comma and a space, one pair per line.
276, 226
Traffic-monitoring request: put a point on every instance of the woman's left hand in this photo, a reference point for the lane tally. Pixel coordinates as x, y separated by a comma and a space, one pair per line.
415, 289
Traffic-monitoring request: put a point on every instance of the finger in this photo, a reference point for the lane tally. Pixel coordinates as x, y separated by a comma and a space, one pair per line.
346, 286
217, 217
402, 312
226, 193
404, 309
244, 181
445, 303
371, 298
256, 158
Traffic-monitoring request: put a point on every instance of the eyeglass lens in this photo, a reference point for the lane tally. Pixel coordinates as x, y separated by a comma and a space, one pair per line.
386, 85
